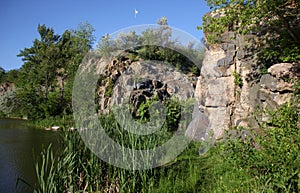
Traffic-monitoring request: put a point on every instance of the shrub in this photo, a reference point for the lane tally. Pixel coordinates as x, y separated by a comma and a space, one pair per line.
270, 161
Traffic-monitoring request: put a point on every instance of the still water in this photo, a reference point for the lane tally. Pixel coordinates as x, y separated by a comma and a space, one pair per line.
19, 147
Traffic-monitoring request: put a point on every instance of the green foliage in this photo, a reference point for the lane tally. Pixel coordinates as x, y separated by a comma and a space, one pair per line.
84, 36
297, 91
264, 70
126, 41
175, 58
9, 104
106, 46
155, 44
278, 19
133, 57
280, 49
248, 161
109, 86
237, 79
77, 169
46, 172
269, 161
143, 110
10, 76
185, 174
194, 70
174, 112
44, 83
173, 109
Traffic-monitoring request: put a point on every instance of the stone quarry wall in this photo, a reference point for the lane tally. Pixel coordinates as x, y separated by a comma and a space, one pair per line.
122, 79
232, 86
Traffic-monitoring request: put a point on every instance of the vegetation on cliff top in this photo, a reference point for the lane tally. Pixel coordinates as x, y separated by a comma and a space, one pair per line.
276, 21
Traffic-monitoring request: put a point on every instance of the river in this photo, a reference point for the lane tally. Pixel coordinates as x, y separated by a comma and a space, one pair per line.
17, 144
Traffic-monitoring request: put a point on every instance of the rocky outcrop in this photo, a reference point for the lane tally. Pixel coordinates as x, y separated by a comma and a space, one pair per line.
147, 90
4, 87
123, 80
232, 85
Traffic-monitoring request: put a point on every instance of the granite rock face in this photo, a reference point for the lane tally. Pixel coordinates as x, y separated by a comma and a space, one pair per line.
123, 80
232, 86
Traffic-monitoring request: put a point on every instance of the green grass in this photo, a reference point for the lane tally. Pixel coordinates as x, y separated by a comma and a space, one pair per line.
64, 122
265, 162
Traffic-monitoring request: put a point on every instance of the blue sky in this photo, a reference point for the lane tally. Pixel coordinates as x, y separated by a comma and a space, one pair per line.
19, 19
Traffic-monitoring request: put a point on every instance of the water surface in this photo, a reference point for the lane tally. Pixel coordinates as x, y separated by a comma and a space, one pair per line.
18, 144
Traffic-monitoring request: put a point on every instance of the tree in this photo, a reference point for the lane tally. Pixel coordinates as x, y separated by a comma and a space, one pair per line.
127, 40
106, 46
74, 45
160, 36
45, 80
9, 104
11, 76
85, 36
157, 43
37, 76
278, 19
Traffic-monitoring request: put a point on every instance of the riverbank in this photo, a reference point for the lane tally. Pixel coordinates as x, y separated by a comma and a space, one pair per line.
64, 123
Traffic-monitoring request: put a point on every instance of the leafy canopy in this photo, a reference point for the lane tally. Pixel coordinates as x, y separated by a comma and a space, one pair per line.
46, 78
155, 44
278, 20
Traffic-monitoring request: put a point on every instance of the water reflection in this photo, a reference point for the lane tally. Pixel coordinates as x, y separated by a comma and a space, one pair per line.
18, 144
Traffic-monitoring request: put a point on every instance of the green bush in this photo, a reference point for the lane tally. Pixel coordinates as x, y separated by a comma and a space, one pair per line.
264, 162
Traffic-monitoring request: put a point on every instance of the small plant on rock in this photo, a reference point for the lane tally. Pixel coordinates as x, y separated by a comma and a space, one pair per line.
237, 79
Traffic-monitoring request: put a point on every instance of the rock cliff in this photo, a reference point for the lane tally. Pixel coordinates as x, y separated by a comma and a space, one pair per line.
122, 78
231, 87
232, 84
